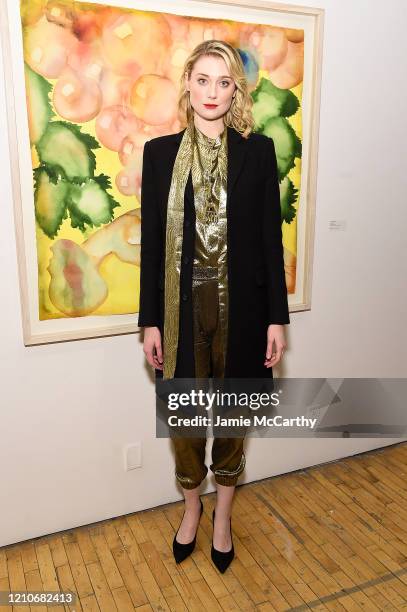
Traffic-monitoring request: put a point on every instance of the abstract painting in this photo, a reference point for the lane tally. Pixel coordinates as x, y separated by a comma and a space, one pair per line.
87, 85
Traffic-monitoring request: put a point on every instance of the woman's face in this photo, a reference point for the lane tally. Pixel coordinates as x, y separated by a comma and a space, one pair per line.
211, 88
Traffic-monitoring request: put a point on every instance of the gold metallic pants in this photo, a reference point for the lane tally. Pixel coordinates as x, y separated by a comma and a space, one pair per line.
228, 458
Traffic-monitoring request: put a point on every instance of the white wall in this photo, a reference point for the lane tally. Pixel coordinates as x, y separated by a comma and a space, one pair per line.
67, 409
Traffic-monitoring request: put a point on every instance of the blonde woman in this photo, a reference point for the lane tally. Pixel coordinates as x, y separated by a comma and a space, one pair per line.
213, 296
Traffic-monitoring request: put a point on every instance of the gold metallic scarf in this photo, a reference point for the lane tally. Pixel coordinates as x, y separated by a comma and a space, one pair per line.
174, 237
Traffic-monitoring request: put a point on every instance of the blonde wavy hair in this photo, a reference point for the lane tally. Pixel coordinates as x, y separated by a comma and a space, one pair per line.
239, 115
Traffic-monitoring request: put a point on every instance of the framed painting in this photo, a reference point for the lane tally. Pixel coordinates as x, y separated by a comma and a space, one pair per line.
87, 84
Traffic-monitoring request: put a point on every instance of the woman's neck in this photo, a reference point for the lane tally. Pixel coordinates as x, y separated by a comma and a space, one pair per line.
212, 129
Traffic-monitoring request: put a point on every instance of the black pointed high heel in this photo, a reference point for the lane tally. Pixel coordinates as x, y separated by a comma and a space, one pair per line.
222, 560
182, 551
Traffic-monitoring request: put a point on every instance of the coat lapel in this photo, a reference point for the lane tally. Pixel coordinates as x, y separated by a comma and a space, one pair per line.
236, 155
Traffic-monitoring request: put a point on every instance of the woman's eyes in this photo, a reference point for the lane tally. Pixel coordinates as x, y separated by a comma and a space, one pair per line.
202, 79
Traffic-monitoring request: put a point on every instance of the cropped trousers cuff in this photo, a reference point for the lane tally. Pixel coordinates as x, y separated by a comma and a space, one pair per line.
229, 478
191, 483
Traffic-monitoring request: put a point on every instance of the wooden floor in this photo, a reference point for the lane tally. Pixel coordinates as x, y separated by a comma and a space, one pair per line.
333, 537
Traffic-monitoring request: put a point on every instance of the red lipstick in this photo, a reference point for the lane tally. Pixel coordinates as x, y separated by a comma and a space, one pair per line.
210, 105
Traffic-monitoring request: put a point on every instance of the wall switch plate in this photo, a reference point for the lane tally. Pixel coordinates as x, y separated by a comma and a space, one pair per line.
132, 456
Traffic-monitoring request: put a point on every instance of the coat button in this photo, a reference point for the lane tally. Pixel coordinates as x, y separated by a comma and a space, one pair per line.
184, 297
186, 259
187, 222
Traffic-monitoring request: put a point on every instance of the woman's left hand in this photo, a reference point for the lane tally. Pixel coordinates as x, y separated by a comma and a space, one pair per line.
275, 333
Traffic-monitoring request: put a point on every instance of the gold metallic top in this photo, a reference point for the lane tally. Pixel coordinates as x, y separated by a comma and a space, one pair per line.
187, 160
208, 191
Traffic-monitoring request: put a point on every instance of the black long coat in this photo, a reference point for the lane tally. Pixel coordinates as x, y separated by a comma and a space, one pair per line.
256, 277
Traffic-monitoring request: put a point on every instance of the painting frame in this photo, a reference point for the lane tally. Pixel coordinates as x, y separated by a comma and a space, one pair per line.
42, 332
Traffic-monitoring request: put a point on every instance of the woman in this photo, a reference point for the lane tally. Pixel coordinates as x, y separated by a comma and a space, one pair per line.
213, 296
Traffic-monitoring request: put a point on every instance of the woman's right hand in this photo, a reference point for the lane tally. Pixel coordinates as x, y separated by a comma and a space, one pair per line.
152, 347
